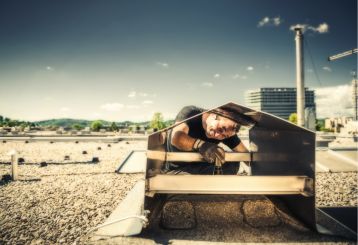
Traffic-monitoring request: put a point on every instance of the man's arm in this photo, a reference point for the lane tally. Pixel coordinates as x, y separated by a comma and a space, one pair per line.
240, 148
210, 151
180, 138
245, 166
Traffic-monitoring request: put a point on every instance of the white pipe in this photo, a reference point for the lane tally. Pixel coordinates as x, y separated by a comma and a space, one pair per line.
300, 78
14, 167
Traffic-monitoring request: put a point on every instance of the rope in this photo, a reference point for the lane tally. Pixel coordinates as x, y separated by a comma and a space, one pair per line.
313, 64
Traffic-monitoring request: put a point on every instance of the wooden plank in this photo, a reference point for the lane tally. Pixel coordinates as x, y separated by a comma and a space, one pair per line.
229, 184
229, 156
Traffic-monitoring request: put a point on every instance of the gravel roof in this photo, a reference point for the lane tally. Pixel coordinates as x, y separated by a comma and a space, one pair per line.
61, 202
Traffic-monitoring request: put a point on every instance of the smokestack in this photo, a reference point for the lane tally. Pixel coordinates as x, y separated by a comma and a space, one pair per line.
300, 83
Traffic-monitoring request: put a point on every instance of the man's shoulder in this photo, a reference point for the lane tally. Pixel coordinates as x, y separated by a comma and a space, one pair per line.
188, 111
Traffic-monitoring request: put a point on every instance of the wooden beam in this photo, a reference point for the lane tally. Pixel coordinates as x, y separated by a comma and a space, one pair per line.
230, 184
229, 156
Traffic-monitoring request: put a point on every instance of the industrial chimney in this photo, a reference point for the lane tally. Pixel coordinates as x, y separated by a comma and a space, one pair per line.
300, 78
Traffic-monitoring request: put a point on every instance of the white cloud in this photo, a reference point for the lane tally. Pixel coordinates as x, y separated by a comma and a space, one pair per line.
238, 76
132, 94
147, 102
321, 28
250, 68
217, 75
334, 101
267, 21
277, 21
132, 106
207, 84
263, 22
326, 68
65, 109
112, 106
163, 64
49, 68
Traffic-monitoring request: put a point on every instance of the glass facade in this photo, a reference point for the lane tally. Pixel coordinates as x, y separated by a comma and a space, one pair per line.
280, 102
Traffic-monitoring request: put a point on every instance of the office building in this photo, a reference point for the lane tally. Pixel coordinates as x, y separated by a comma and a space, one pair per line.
280, 102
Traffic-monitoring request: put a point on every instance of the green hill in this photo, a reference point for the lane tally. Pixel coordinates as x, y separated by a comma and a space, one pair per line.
69, 123
63, 122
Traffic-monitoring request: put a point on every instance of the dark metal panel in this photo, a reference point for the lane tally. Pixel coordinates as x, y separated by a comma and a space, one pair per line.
156, 142
345, 215
340, 221
300, 145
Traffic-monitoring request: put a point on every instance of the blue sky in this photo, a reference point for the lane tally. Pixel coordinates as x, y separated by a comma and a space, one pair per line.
120, 60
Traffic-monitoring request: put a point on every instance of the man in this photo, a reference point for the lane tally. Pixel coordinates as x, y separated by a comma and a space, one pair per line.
203, 133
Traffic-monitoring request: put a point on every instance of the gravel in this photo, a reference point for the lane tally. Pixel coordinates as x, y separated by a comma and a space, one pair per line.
178, 215
61, 202
268, 217
54, 155
337, 189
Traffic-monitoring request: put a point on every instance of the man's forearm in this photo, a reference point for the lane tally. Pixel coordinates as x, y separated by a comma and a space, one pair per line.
182, 141
242, 148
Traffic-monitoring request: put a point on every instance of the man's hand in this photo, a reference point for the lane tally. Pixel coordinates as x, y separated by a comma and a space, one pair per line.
212, 152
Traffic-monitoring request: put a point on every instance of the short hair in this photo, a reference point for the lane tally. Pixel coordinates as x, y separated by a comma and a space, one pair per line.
237, 117
236, 128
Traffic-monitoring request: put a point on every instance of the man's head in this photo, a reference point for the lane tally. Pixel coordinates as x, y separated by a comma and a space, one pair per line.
219, 127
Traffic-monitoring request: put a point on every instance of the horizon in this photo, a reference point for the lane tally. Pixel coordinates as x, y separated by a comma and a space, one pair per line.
126, 60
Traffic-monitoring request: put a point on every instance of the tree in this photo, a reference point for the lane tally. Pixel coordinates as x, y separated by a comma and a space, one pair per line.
23, 126
114, 127
293, 118
1, 119
77, 126
12, 123
157, 121
96, 125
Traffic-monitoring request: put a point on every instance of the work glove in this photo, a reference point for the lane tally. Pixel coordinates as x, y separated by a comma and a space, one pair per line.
212, 152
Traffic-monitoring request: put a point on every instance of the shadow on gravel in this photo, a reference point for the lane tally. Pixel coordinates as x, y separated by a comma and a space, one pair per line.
52, 163
48, 175
6, 179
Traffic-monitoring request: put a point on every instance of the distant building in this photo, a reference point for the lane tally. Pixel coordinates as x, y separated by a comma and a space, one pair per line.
342, 125
355, 98
280, 102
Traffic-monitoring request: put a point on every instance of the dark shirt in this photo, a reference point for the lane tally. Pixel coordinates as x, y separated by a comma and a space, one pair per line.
196, 129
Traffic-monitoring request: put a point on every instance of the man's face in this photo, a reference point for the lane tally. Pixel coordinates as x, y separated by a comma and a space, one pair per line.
218, 127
